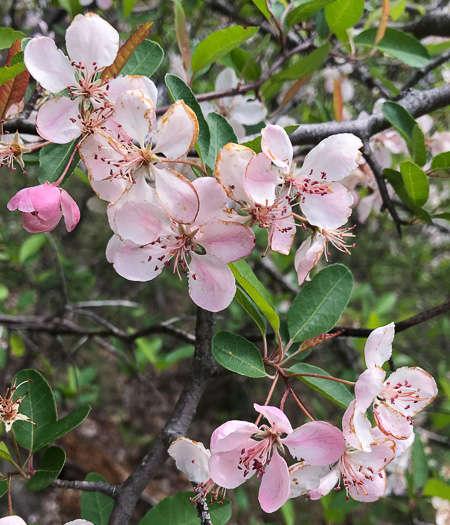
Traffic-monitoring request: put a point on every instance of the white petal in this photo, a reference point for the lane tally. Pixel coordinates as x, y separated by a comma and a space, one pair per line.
231, 165
48, 64
191, 458
249, 112
138, 264
133, 111
212, 199
329, 211
226, 79
262, 180
357, 428
53, 121
368, 386
177, 131
90, 39
119, 85
336, 156
327, 484
378, 347
305, 477
229, 241
307, 256
276, 145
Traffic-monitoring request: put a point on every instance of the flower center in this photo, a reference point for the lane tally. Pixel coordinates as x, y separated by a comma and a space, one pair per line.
257, 456
354, 476
401, 395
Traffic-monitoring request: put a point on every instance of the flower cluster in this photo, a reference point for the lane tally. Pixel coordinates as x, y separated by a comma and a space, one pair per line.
355, 458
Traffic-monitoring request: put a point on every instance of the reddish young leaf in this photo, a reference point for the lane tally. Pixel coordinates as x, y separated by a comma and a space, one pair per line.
182, 35
319, 339
127, 50
292, 91
13, 91
337, 101
383, 22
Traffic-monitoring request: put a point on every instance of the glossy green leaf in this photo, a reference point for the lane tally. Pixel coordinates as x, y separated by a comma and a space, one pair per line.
262, 6
436, 487
49, 469
96, 507
441, 162
416, 183
303, 11
288, 512
218, 44
237, 354
17, 345
127, 7
7, 73
8, 36
179, 90
402, 121
31, 246
145, 60
332, 390
245, 276
221, 133
417, 146
419, 464
305, 66
178, 510
53, 160
397, 44
250, 307
255, 144
3, 487
342, 14
320, 303
4, 453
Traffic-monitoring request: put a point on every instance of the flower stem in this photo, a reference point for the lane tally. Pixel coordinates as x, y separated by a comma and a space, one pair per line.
66, 169
16, 448
269, 395
191, 163
330, 378
10, 509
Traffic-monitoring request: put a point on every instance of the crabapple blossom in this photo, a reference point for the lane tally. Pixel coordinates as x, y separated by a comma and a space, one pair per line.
15, 520
43, 206
113, 165
152, 239
240, 449
395, 401
12, 149
9, 409
92, 44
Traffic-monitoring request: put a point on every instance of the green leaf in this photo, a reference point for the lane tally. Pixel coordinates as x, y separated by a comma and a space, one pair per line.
436, 487
178, 510
179, 90
3, 487
31, 246
417, 147
145, 60
332, 390
445, 216
262, 6
221, 133
17, 345
342, 14
402, 121
305, 10
319, 305
53, 160
127, 7
247, 279
51, 432
7, 73
250, 307
255, 144
4, 453
441, 161
8, 36
419, 464
305, 66
288, 512
416, 183
397, 44
220, 43
4, 292
237, 354
51, 465
96, 507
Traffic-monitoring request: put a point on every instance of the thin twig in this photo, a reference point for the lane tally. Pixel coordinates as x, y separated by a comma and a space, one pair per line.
87, 486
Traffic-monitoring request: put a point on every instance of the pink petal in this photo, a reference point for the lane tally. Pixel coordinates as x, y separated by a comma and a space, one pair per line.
374, 489
357, 428
113, 246
368, 386
275, 485
329, 211
177, 195
132, 262
392, 422
305, 478
317, 442
70, 211
191, 458
141, 222
277, 419
119, 85
307, 256
177, 131
90, 39
382, 453
231, 435
229, 241
282, 233
327, 484
400, 444
276, 145
133, 111
212, 199
262, 180
211, 282
34, 224
109, 190
224, 471
231, 164
422, 391
53, 120
378, 347
48, 64
336, 156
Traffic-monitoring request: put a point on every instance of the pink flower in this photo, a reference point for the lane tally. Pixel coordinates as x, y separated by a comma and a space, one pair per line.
92, 45
361, 473
395, 401
43, 206
240, 449
15, 520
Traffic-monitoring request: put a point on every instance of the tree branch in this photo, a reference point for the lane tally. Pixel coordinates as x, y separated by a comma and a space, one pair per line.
434, 23
202, 368
87, 486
